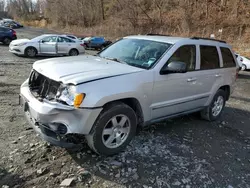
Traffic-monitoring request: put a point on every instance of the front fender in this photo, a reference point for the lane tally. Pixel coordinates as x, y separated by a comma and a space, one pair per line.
136, 85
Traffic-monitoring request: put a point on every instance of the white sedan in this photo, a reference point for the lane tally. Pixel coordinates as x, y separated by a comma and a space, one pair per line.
47, 45
243, 62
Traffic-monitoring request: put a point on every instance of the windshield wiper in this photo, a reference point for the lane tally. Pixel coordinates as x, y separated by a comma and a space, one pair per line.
115, 59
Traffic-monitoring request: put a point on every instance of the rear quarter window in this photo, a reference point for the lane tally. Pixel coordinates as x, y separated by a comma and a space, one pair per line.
209, 57
228, 60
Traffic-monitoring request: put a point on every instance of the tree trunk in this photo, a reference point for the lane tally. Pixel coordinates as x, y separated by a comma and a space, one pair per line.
102, 7
207, 8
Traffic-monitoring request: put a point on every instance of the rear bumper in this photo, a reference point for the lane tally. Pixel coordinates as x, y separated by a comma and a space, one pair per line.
48, 119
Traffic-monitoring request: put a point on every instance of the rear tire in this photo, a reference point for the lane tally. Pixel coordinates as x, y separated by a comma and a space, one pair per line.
214, 110
244, 67
30, 52
113, 130
6, 41
73, 52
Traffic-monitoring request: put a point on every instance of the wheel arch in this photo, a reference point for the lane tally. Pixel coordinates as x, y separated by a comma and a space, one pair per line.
31, 47
132, 103
227, 90
74, 49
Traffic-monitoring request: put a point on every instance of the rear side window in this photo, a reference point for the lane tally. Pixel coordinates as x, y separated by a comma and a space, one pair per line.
228, 60
209, 57
186, 54
63, 39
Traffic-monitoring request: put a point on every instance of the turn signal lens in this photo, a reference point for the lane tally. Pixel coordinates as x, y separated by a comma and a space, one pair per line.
78, 100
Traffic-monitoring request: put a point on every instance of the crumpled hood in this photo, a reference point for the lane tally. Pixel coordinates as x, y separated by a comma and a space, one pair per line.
80, 69
19, 41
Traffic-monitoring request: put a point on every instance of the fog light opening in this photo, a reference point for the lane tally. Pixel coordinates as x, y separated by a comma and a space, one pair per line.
59, 128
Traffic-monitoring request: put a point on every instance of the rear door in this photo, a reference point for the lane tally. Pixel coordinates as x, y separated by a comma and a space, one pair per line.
64, 45
48, 45
209, 70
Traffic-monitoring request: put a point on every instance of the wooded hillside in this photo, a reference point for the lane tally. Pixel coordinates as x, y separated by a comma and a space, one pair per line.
122, 17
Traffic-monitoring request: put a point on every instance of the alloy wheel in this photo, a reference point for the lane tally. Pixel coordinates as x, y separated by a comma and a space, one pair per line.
116, 131
218, 106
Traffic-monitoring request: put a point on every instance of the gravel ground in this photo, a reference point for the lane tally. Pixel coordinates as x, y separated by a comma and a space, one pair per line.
183, 152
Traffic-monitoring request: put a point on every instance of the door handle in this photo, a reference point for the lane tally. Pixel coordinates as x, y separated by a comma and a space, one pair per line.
191, 79
218, 75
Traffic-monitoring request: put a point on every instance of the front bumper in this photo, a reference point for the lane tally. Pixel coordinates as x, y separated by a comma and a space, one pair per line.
16, 50
43, 115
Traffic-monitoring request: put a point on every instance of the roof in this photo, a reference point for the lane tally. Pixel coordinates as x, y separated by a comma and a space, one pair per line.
165, 39
173, 40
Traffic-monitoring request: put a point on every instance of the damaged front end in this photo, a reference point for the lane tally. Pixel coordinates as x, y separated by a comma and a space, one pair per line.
52, 111
43, 87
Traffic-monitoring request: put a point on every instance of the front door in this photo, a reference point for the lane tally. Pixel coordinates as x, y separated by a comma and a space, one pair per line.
48, 45
178, 92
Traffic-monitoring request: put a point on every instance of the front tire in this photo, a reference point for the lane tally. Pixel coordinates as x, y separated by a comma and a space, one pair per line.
30, 52
113, 130
214, 110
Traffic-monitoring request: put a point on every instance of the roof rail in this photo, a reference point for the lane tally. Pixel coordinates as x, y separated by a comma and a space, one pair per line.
200, 38
154, 34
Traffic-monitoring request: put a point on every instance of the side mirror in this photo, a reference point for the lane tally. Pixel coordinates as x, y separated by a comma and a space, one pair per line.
41, 41
174, 67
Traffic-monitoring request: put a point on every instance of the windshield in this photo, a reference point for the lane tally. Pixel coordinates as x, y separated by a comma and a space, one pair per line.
39, 37
136, 52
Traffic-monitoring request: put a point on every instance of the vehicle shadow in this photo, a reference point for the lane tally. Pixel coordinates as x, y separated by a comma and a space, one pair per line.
244, 75
164, 147
9, 179
241, 99
4, 45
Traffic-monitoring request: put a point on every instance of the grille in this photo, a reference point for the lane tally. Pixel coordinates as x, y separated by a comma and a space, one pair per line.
43, 87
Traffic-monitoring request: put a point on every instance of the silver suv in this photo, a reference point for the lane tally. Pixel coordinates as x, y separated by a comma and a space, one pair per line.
139, 80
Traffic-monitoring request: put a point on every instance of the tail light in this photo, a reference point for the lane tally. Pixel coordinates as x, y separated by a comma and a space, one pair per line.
241, 59
82, 45
14, 32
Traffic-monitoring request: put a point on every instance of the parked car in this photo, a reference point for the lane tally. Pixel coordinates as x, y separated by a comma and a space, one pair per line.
244, 62
239, 59
7, 35
10, 23
97, 43
136, 81
47, 45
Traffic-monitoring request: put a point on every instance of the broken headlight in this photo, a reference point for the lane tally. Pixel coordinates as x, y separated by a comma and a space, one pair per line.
69, 95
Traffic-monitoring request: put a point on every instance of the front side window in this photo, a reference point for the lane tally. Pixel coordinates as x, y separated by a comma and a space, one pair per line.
136, 52
209, 58
185, 54
228, 60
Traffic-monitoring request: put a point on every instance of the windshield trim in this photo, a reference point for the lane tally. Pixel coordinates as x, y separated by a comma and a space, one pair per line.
145, 68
